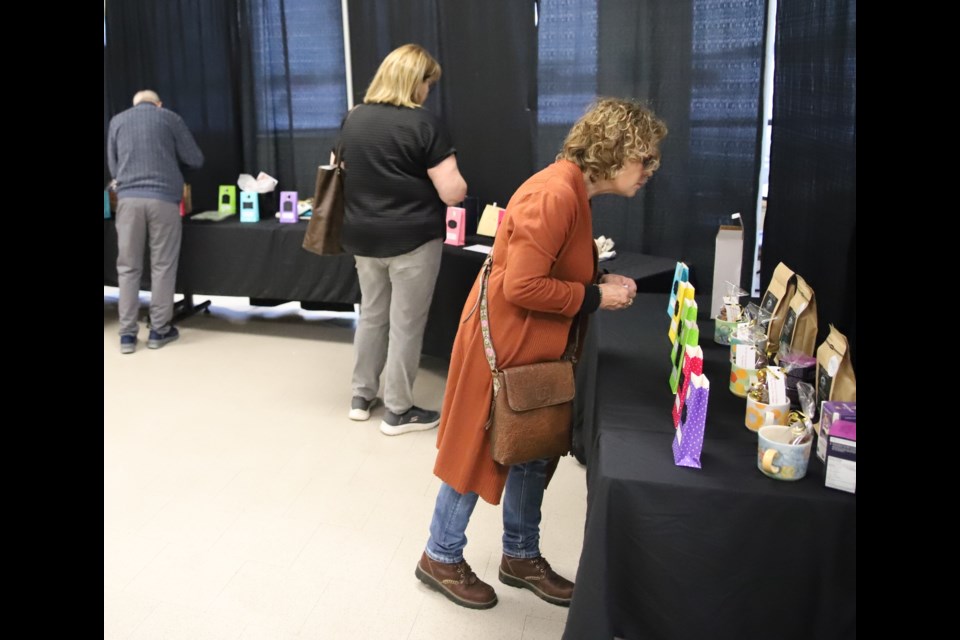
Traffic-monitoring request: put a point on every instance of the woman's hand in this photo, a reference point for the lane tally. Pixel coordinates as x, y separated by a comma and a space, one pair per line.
615, 296
623, 281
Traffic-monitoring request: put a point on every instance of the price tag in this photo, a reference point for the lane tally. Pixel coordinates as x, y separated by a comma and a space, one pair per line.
746, 356
776, 385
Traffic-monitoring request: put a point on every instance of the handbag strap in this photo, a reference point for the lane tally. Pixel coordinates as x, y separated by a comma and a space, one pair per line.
569, 353
337, 154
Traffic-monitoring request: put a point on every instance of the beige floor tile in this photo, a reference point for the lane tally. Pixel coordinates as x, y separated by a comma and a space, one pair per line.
241, 502
123, 613
535, 628
125, 556
270, 540
268, 596
189, 576
355, 610
175, 622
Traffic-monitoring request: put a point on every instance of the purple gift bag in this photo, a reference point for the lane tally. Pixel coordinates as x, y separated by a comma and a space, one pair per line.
688, 439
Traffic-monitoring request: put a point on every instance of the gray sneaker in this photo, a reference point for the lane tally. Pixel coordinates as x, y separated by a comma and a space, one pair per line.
157, 340
414, 419
360, 408
128, 344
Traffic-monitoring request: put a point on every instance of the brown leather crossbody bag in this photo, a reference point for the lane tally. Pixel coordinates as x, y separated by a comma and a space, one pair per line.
531, 413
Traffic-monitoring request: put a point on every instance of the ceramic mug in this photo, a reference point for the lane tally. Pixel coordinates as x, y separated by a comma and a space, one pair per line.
760, 414
777, 458
741, 379
723, 329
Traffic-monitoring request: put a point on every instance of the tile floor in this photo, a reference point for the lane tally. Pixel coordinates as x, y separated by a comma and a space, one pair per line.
240, 502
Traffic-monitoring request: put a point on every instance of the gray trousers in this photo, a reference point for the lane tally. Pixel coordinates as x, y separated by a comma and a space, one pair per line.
395, 300
140, 219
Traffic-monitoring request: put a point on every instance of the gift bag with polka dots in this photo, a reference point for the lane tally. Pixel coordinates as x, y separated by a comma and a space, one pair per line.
688, 438
692, 365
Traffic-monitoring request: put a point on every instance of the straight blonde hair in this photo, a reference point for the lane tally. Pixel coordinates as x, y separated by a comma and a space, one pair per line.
400, 75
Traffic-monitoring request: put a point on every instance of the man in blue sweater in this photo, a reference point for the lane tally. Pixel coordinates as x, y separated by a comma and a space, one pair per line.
146, 147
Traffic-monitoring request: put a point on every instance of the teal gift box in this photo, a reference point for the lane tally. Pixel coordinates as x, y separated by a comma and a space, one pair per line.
249, 206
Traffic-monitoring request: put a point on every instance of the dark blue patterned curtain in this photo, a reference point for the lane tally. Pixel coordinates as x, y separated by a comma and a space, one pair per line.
294, 94
811, 220
566, 70
699, 64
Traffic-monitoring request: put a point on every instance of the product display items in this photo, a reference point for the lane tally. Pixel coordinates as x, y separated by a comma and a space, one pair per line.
775, 302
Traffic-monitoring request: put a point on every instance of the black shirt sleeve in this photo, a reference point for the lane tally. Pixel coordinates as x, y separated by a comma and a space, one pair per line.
436, 141
591, 299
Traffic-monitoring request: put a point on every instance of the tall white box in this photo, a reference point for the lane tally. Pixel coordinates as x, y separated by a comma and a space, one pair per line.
726, 262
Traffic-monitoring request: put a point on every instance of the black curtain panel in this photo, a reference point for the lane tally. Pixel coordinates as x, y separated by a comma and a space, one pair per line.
698, 63
293, 90
811, 222
185, 51
377, 28
262, 85
487, 95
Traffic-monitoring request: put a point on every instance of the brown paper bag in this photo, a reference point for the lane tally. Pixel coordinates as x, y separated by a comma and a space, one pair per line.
186, 203
776, 301
799, 330
835, 378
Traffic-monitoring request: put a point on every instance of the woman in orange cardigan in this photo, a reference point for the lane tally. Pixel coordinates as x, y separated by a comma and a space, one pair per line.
544, 278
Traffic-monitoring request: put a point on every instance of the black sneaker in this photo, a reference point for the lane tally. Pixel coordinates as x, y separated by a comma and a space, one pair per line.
415, 419
360, 408
156, 340
128, 344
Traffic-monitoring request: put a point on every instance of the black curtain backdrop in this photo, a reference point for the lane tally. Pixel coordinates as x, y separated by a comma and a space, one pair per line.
811, 220
487, 95
698, 63
293, 89
185, 51
261, 86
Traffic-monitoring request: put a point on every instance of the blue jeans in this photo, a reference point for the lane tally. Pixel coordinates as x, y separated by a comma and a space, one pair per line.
522, 498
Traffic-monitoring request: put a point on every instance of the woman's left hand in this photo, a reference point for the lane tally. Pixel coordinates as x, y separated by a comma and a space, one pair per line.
628, 283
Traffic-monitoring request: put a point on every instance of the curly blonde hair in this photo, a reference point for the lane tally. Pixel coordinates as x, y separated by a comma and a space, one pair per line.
400, 75
610, 134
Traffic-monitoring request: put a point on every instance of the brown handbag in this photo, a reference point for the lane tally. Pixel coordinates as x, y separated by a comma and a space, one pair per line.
531, 413
326, 221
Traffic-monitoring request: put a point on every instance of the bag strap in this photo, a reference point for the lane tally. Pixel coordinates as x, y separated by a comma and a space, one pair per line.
569, 353
337, 154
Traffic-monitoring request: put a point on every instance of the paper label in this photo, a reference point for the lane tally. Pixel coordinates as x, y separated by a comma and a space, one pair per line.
833, 365
746, 356
776, 386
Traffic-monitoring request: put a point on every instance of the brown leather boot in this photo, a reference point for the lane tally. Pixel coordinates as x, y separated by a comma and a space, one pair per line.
457, 582
535, 574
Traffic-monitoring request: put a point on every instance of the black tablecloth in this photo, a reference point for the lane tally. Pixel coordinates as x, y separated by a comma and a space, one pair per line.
265, 262
262, 261
459, 269
722, 552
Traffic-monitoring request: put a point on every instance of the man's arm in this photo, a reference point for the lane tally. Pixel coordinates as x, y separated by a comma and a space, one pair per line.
112, 158
188, 152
